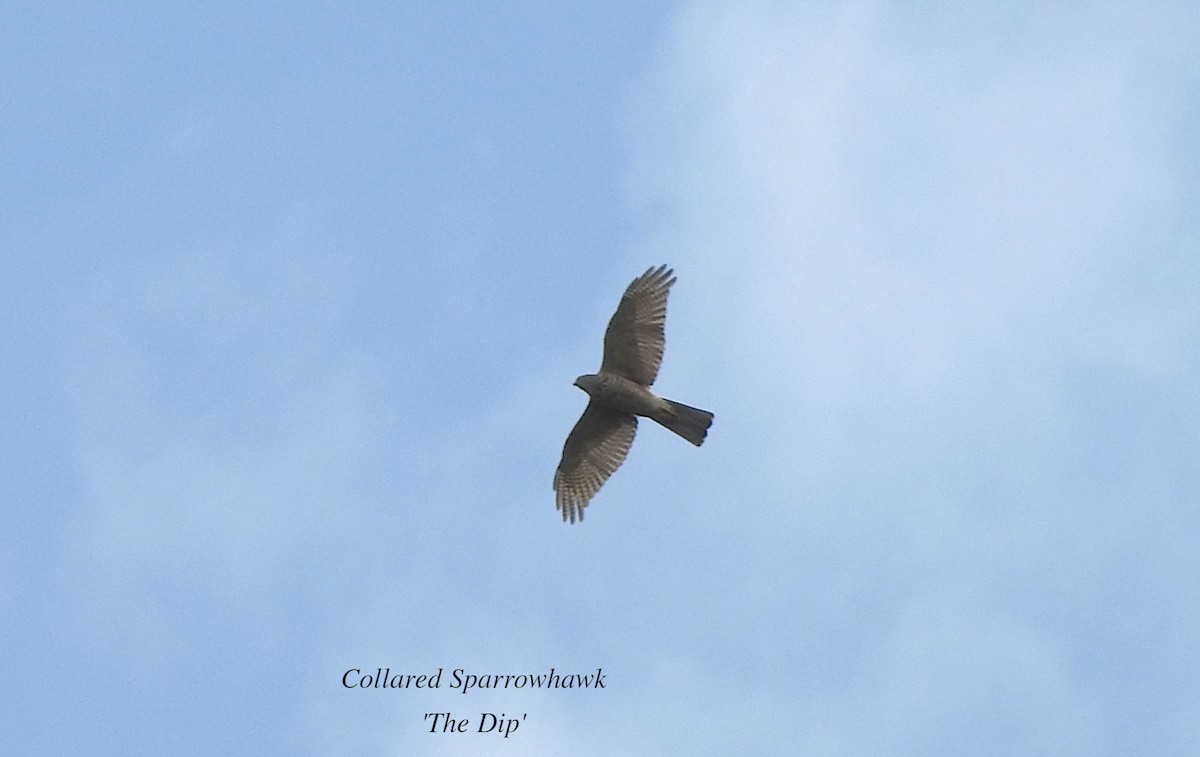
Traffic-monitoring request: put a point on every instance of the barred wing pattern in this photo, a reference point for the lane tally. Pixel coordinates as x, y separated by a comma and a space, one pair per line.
596, 447
633, 343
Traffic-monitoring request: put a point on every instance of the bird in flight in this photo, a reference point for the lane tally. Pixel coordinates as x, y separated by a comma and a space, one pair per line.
619, 393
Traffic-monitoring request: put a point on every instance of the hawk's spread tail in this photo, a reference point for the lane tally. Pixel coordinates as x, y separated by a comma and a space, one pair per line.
689, 422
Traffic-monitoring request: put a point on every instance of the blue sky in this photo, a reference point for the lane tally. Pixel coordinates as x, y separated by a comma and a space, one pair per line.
292, 296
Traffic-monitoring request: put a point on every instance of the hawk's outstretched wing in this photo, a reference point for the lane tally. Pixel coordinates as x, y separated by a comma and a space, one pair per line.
633, 344
595, 448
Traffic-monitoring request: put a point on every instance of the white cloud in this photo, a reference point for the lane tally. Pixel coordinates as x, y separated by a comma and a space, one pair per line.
923, 254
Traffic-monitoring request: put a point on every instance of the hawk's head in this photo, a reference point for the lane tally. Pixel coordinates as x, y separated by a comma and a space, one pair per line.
588, 382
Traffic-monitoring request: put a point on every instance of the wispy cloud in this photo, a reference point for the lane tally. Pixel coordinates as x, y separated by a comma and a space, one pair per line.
931, 255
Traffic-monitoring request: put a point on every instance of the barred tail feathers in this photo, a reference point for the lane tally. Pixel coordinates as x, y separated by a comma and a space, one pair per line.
689, 422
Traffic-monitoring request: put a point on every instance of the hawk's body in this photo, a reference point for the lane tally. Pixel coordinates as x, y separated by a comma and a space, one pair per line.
620, 392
